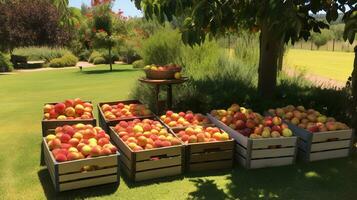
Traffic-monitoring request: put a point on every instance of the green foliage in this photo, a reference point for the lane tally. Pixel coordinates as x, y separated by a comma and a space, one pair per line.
138, 64
40, 53
5, 63
103, 54
322, 38
66, 60
162, 47
94, 55
99, 60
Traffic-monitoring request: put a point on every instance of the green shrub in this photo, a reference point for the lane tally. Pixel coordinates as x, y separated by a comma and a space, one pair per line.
139, 64
103, 53
5, 63
65, 61
163, 47
99, 60
84, 55
40, 53
94, 55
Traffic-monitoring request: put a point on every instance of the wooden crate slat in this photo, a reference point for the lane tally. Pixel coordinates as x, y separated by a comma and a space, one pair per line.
88, 182
241, 150
268, 142
167, 151
302, 155
126, 170
76, 165
81, 175
232, 133
330, 145
49, 164
154, 164
265, 153
211, 156
324, 136
215, 146
120, 144
125, 161
329, 154
223, 164
158, 173
271, 162
303, 145
241, 160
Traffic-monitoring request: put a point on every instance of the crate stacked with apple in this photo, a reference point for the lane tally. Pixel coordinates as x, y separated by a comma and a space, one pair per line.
149, 149
206, 148
163, 72
71, 111
320, 137
184, 119
110, 113
261, 141
79, 156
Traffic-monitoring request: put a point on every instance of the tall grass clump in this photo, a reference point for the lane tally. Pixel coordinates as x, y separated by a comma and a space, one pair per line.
41, 53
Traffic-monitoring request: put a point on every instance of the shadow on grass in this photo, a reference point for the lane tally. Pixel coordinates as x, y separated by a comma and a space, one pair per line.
104, 71
48, 188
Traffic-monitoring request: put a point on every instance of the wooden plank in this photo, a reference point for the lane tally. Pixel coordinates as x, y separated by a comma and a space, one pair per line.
302, 155
120, 144
324, 136
211, 146
330, 145
88, 182
76, 165
241, 160
270, 142
154, 164
81, 175
329, 154
241, 150
232, 133
301, 133
266, 153
49, 162
163, 151
271, 162
302, 144
127, 171
158, 173
125, 161
211, 156
223, 164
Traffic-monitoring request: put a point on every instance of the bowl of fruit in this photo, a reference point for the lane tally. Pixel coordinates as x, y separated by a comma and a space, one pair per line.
170, 71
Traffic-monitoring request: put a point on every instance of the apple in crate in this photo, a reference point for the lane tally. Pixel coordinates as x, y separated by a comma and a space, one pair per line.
122, 110
183, 119
308, 119
202, 134
78, 142
145, 134
67, 110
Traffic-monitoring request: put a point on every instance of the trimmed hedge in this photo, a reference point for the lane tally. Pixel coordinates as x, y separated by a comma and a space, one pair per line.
139, 64
65, 61
5, 63
40, 53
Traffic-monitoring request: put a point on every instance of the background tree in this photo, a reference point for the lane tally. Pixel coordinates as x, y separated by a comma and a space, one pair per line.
30, 22
320, 39
277, 21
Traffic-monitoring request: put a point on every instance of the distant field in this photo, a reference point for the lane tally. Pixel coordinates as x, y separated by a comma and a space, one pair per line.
333, 65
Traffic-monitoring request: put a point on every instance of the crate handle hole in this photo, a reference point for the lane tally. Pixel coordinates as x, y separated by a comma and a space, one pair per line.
274, 146
158, 157
332, 139
88, 168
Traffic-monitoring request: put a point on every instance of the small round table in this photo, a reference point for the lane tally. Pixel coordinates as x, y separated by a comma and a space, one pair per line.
158, 83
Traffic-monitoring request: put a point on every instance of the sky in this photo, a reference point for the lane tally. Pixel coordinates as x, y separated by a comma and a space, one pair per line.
125, 5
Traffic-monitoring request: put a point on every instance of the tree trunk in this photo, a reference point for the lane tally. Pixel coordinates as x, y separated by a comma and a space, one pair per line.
333, 45
110, 59
311, 45
354, 93
281, 57
270, 45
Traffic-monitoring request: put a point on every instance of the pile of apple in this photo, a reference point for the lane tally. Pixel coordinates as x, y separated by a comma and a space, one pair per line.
202, 134
122, 110
183, 119
70, 109
251, 124
308, 119
145, 134
168, 67
79, 141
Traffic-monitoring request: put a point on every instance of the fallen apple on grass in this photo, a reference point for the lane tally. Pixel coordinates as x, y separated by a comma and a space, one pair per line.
145, 134
79, 141
68, 110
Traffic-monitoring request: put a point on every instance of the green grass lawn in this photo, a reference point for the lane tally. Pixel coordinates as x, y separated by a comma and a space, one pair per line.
333, 65
22, 97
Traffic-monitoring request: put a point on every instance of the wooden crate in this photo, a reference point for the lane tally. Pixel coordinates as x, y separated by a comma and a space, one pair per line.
149, 164
52, 124
323, 145
106, 123
68, 175
264, 152
202, 156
